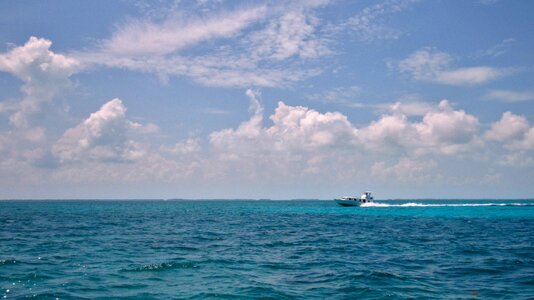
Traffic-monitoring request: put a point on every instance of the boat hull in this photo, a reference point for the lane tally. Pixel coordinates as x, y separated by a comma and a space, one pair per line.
348, 202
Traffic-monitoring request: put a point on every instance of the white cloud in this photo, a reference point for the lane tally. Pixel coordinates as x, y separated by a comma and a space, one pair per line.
339, 95
408, 108
104, 136
231, 71
249, 130
425, 64
43, 72
527, 143
390, 133
291, 34
513, 131
405, 170
499, 49
469, 76
510, 96
509, 127
25, 145
44, 75
216, 111
298, 127
299, 141
518, 159
294, 144
270, 45
34, 62
448, 130
432, 65
216, 69
442, 130
368, 24
304, 141
141, 37
189, 146
261, 46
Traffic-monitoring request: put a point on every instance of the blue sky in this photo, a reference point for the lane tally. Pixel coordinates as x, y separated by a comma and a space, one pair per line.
265, 99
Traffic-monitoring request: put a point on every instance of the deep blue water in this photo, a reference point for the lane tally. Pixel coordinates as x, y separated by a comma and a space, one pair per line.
266, 249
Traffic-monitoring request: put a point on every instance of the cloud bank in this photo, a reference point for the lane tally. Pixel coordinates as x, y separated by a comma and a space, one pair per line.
294, 144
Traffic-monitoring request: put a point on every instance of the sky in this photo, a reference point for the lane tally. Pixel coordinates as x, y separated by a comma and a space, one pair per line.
266, 99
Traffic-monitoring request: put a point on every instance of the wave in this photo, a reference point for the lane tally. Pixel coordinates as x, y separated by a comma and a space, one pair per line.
413, 204
157, 267
7, 262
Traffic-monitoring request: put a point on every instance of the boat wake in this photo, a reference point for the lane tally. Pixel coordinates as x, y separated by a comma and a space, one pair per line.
413, 204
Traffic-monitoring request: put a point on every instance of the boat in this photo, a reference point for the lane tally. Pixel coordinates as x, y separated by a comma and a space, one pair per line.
355, 201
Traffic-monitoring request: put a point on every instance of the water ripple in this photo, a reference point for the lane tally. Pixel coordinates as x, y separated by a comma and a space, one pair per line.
265, 249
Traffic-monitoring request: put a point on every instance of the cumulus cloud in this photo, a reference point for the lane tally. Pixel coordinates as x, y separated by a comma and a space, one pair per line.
303, 140
299, 140
104, 136
249, 130
509, 127
244, 149
448, 130
442, 130
292, 144
390, 133
514, 131
44, 75
43, 72
431, 65
527, 143
298, 127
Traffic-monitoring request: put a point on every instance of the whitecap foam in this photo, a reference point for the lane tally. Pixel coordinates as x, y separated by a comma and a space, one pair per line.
413, 204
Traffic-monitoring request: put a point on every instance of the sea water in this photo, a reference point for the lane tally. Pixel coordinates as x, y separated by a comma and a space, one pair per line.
267, 249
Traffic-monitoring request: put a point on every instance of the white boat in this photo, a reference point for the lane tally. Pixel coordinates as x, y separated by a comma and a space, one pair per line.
355, 201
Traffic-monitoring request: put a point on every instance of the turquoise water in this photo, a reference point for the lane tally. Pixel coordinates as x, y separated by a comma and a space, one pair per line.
266, 249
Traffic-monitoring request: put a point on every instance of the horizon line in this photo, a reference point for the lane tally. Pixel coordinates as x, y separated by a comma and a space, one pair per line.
250, 199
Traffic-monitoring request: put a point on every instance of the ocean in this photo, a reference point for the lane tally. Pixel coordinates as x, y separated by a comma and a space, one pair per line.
416, 249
